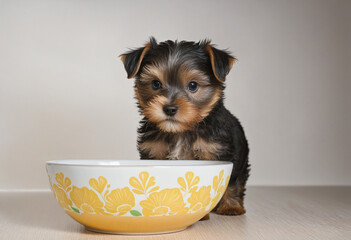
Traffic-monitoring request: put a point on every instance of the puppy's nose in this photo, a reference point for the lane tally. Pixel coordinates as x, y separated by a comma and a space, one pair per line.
170, 110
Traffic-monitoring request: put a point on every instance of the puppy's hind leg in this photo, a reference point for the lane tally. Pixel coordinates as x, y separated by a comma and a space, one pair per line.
232, 202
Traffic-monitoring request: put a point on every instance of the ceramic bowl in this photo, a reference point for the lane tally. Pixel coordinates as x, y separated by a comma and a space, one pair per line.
137, 196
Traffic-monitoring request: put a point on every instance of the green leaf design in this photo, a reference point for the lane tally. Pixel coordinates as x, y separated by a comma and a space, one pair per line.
75, 209
135, 213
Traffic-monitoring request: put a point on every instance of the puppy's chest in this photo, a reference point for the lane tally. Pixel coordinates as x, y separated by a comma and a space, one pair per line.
181, 148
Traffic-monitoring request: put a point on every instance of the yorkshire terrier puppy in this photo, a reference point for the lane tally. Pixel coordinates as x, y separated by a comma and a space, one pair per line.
179, 91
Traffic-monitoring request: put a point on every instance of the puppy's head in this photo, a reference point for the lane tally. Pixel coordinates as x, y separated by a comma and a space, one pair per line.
177, 84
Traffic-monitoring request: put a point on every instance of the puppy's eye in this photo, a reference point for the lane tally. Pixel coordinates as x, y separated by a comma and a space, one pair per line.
156, 84
193, 87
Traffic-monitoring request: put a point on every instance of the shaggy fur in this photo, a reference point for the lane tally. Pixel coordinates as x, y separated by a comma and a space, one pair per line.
179, 91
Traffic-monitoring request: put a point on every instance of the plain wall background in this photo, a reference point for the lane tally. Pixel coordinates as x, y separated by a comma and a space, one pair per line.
64, 92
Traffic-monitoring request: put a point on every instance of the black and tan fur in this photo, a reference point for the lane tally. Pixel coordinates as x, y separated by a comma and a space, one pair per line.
201, 128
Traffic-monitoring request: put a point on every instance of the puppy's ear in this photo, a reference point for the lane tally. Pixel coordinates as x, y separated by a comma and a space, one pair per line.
132, 60
221, 62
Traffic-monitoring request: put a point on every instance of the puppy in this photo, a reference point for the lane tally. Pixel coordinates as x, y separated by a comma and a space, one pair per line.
179, 91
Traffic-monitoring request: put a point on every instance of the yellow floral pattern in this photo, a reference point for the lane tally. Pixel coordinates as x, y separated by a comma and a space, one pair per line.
60, 190
201, 199
63, 182
219, 187
187, 198
98, 185
142, 186
120, 201
62, 198
86, 200
165, 202
188, 185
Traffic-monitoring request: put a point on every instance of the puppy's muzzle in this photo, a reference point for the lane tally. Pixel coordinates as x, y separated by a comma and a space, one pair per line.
170, 110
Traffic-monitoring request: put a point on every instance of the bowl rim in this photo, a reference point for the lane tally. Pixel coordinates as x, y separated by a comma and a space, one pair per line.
151, 163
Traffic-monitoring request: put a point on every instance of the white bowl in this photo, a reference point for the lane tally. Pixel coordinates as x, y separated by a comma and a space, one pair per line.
138, 196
